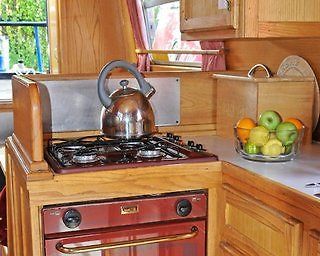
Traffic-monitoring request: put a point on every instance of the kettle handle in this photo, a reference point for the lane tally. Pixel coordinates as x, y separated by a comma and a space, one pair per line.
104, 96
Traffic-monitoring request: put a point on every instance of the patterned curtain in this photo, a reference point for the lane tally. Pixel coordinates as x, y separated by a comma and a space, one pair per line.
139, 31
212, 62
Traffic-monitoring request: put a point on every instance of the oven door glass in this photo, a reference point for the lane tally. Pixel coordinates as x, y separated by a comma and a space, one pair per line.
178, 239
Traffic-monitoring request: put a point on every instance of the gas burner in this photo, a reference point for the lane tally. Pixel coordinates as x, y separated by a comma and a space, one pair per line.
87, 158
131, 145
107, 149
71, 148
150, 153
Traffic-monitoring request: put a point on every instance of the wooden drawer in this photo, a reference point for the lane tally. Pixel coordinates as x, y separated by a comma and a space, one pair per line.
258, 229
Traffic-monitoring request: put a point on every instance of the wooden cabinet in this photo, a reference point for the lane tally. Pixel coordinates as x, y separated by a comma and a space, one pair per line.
255, 228
206, 19
229, 250
314, 243
207, 14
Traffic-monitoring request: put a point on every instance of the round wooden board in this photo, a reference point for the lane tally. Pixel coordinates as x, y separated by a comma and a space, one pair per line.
294, 65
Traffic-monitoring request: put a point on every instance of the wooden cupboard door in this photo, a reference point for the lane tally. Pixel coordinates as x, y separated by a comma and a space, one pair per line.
229, 250
286, 18
198, 15
314, 243
259, 229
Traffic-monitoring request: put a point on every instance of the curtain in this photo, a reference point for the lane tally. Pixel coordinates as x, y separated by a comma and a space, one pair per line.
3, 217
139, 31
212, 62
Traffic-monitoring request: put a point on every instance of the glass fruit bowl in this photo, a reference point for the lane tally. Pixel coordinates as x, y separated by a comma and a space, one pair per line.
268, 146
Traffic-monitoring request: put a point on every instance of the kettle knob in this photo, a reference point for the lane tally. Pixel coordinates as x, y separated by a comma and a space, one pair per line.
124, 84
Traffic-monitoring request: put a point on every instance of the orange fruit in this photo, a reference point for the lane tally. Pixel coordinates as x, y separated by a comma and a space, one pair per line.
296, 122
244, 125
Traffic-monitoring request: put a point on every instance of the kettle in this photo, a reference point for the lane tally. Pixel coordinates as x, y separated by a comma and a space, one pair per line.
127, 113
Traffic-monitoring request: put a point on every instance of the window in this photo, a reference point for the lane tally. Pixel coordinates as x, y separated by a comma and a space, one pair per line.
163, 29
23, 36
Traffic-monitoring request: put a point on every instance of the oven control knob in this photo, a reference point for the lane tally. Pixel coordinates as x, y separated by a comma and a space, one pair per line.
169, 135
190, 143
72, 218
176, 137
199, 147
183, 208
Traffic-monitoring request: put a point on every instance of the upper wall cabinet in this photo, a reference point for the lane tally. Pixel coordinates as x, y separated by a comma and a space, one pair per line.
222, 19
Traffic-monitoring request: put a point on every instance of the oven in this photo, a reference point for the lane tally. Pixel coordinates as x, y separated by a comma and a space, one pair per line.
156, 225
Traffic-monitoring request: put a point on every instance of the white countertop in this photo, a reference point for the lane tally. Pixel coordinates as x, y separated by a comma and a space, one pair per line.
294, 174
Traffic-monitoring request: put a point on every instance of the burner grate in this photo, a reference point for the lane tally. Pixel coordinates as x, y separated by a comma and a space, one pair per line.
101, 152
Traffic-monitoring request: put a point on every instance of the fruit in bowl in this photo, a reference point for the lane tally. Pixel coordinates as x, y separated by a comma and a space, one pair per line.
270, 139
270, 119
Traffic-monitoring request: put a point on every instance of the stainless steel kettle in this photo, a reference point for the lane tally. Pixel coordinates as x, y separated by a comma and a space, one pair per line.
127, 113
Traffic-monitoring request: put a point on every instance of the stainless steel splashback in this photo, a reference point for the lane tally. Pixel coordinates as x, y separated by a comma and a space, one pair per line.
6, 121
73, 105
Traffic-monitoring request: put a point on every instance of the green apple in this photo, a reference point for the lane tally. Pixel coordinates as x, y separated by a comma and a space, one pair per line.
288, 149
269, 119
258, 136
272, 148
287, 133
251, 148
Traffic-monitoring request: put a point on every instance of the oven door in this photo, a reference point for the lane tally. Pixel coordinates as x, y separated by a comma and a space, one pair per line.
178, 239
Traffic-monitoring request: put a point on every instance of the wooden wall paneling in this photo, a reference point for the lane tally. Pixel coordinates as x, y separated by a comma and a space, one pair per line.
198, 94
289, 10
243, 54
250, 18
234, 103
288, 29
86, 34
53, 34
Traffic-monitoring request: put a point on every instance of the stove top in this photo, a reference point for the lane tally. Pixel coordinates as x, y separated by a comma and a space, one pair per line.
94, 153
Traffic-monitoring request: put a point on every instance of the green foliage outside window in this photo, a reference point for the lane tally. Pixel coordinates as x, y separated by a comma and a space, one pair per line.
21, 39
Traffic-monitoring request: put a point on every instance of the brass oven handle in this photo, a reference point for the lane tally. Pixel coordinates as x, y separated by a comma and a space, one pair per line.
107, 246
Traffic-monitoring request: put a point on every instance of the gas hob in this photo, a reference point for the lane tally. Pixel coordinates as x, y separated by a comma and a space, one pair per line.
93, 153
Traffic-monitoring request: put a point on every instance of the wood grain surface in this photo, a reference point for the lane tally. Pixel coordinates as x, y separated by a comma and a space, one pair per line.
246, 53
27, 123
86, 34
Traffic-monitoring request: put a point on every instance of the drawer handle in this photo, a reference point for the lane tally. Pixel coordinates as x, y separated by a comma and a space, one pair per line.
255, 67
107, 246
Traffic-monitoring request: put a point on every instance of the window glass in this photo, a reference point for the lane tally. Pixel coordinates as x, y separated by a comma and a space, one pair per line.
23, 35
163, 29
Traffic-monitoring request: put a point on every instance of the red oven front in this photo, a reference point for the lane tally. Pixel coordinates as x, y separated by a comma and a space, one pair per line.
166, 225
